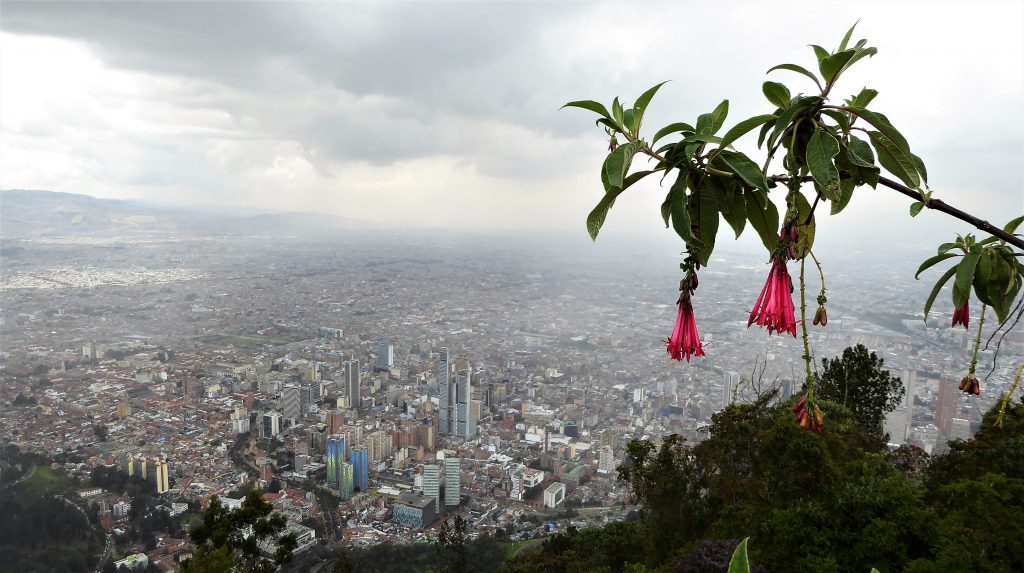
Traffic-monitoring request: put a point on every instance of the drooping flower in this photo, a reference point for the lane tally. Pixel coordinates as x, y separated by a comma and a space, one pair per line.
808, 418
962, 316
970, 385
821, 316
685, 341
774, 308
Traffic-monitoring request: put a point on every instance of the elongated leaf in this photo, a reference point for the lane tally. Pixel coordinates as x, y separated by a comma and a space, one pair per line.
932, 261
832, 65
846, 187
740, 563
617, 111
718, 116
846, 38
595, 220
859, 153
807, 230
965, 273
821, 148
629, 121
797, 69
764, 130
590, 105
745, 168
642, 102
776, 93
819, 52
669, 129
736, 214
763, 217
946, 247
1011, 227
703, 210
859, 55
617, 163
865, 97
840, 118
935, 290
920, 168
680, 219
704, 124
869, 175
879, 122
787, 117
739, 130
702, 139
895, 160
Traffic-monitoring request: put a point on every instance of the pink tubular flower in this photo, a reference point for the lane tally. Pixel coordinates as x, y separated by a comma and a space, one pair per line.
685, 341
774, 308
962, 316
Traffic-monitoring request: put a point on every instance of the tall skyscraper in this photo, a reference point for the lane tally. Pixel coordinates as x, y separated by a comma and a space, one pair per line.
452, 480
385, 354
432, 483
443, 392
948, 406
291, 403
353, 383
334, 458
346, 485
360, 468
163, 480
271, 424
729, 381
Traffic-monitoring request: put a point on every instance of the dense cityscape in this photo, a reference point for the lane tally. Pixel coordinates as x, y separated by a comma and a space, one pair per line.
373, 386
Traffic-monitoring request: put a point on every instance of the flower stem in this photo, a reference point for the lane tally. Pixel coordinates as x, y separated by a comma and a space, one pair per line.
1006, 398
821, 273
803, 330
977, 341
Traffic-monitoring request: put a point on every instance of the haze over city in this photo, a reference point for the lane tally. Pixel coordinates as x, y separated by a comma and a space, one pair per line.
329, 262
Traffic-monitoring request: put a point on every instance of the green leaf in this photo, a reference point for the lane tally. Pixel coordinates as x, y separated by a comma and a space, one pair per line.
965, 273
821, 148
819, 52
702, 139
595, 220
787, 117
870, 175
846, 38
763, 217
703, 211
629, 121
680, 219
935, 290
617, 164
1012, 225
895, 160
671, 128
617, 112
736, 214
929, 263
862, 99
882, 124
806, 231
776, 93
718, 116
920, 168
764, 130
846, 187
642, 102
915, 208
946, 247
739, 130
745, 168
832, 65
799, 70
859, 153
590, 105
740, 563
860, 54
840, 118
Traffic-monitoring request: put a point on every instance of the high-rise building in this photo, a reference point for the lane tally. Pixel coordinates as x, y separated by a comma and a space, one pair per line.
729, 382
443, 392
271, 424
335, 419
432, 483
360, 467
452, 480
240, 420
353, 382
163, 479
385, 354
334, 457
948, 406
606, 460
346, 485
291, 403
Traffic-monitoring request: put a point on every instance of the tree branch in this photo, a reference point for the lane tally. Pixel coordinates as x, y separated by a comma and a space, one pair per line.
938, 205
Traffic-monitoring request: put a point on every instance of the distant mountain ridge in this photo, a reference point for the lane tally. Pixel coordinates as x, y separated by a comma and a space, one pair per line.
38, 214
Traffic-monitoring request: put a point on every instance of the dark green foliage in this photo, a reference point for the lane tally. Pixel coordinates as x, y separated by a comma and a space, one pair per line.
858, 381
483, 555
222, 541
609, 548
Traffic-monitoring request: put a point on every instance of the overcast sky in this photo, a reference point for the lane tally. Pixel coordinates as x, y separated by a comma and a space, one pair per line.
447, 114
